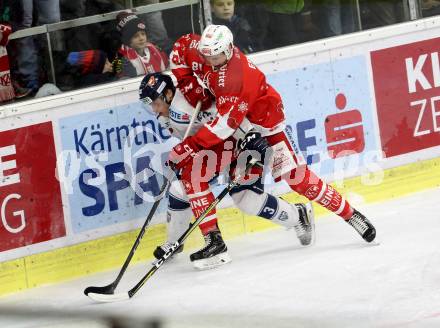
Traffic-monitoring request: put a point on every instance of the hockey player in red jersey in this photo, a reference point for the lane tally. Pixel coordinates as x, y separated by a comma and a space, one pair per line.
242, 95
173, 111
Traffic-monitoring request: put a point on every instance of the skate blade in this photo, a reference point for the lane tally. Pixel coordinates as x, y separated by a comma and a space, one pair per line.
212, 262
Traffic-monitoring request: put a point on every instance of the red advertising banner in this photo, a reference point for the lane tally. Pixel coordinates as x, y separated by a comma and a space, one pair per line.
407, 87
30, 199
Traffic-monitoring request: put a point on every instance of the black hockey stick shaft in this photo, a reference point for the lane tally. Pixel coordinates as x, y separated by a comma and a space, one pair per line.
235, 182
109, 289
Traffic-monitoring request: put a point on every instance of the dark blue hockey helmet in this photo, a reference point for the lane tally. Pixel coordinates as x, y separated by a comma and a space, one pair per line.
153, 86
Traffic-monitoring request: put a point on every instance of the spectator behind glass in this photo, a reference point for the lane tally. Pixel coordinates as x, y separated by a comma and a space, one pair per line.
223, 13
90, 67
6, 89
376, 13
335, 17
88, 36
288, 23
29, 65
430, 8
155, 26
139, 56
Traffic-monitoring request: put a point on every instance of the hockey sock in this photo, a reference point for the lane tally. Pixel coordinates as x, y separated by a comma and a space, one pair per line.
314, 189
199, 202
179, 215
267, 207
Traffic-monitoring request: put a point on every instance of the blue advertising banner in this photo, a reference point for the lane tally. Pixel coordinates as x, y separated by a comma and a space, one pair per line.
113, 160
329, 113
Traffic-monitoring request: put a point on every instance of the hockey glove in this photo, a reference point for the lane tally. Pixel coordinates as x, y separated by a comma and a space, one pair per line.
254, 143
182, 154
193, 92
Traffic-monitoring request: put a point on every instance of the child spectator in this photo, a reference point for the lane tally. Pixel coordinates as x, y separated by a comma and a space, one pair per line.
223, 13
91, 67
140, 56
6, 89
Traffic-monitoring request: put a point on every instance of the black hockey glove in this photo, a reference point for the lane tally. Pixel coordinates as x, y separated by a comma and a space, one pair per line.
254, 142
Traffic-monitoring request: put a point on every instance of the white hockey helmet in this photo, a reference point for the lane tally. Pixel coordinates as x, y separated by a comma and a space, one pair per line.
215, 40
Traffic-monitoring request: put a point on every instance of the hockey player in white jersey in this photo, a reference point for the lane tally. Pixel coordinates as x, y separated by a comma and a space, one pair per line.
173, 111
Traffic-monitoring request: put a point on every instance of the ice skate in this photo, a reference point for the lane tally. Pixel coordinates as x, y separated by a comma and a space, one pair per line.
213, 254
305, 229
161, 250
364, 227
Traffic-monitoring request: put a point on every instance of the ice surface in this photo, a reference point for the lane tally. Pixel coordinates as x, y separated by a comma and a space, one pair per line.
339, 282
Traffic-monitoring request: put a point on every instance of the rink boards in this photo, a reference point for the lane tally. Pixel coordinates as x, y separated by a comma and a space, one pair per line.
362, 109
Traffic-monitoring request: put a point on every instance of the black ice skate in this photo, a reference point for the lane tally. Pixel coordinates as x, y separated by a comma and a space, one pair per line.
364, 227
163, 249
305, 229
213, 254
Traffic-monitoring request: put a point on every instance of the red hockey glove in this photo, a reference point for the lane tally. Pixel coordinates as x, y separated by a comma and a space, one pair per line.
193, 92
182, 154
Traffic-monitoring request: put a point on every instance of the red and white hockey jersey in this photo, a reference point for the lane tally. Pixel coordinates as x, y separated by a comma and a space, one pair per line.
240, 90
153, 60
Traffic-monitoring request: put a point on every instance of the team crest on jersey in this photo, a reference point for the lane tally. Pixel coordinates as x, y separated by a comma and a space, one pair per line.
243, 107
141, 26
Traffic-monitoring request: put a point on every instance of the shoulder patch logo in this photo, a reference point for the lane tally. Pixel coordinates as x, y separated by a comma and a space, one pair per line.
243, 107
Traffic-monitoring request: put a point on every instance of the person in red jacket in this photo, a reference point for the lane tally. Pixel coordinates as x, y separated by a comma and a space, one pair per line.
6, 90
139, 56
211, 65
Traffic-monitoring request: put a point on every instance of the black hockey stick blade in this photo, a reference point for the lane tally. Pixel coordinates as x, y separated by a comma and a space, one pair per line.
109, 289
127, 295
96, 293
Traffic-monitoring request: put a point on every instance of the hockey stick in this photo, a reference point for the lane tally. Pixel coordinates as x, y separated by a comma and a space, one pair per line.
109, 289
110, 297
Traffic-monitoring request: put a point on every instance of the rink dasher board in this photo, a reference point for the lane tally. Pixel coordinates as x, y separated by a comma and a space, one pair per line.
311, 75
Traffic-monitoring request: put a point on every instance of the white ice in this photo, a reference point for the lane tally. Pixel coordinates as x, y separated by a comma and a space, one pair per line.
339, 282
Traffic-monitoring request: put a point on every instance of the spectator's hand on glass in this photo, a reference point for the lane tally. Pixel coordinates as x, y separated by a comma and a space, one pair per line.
116, 65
